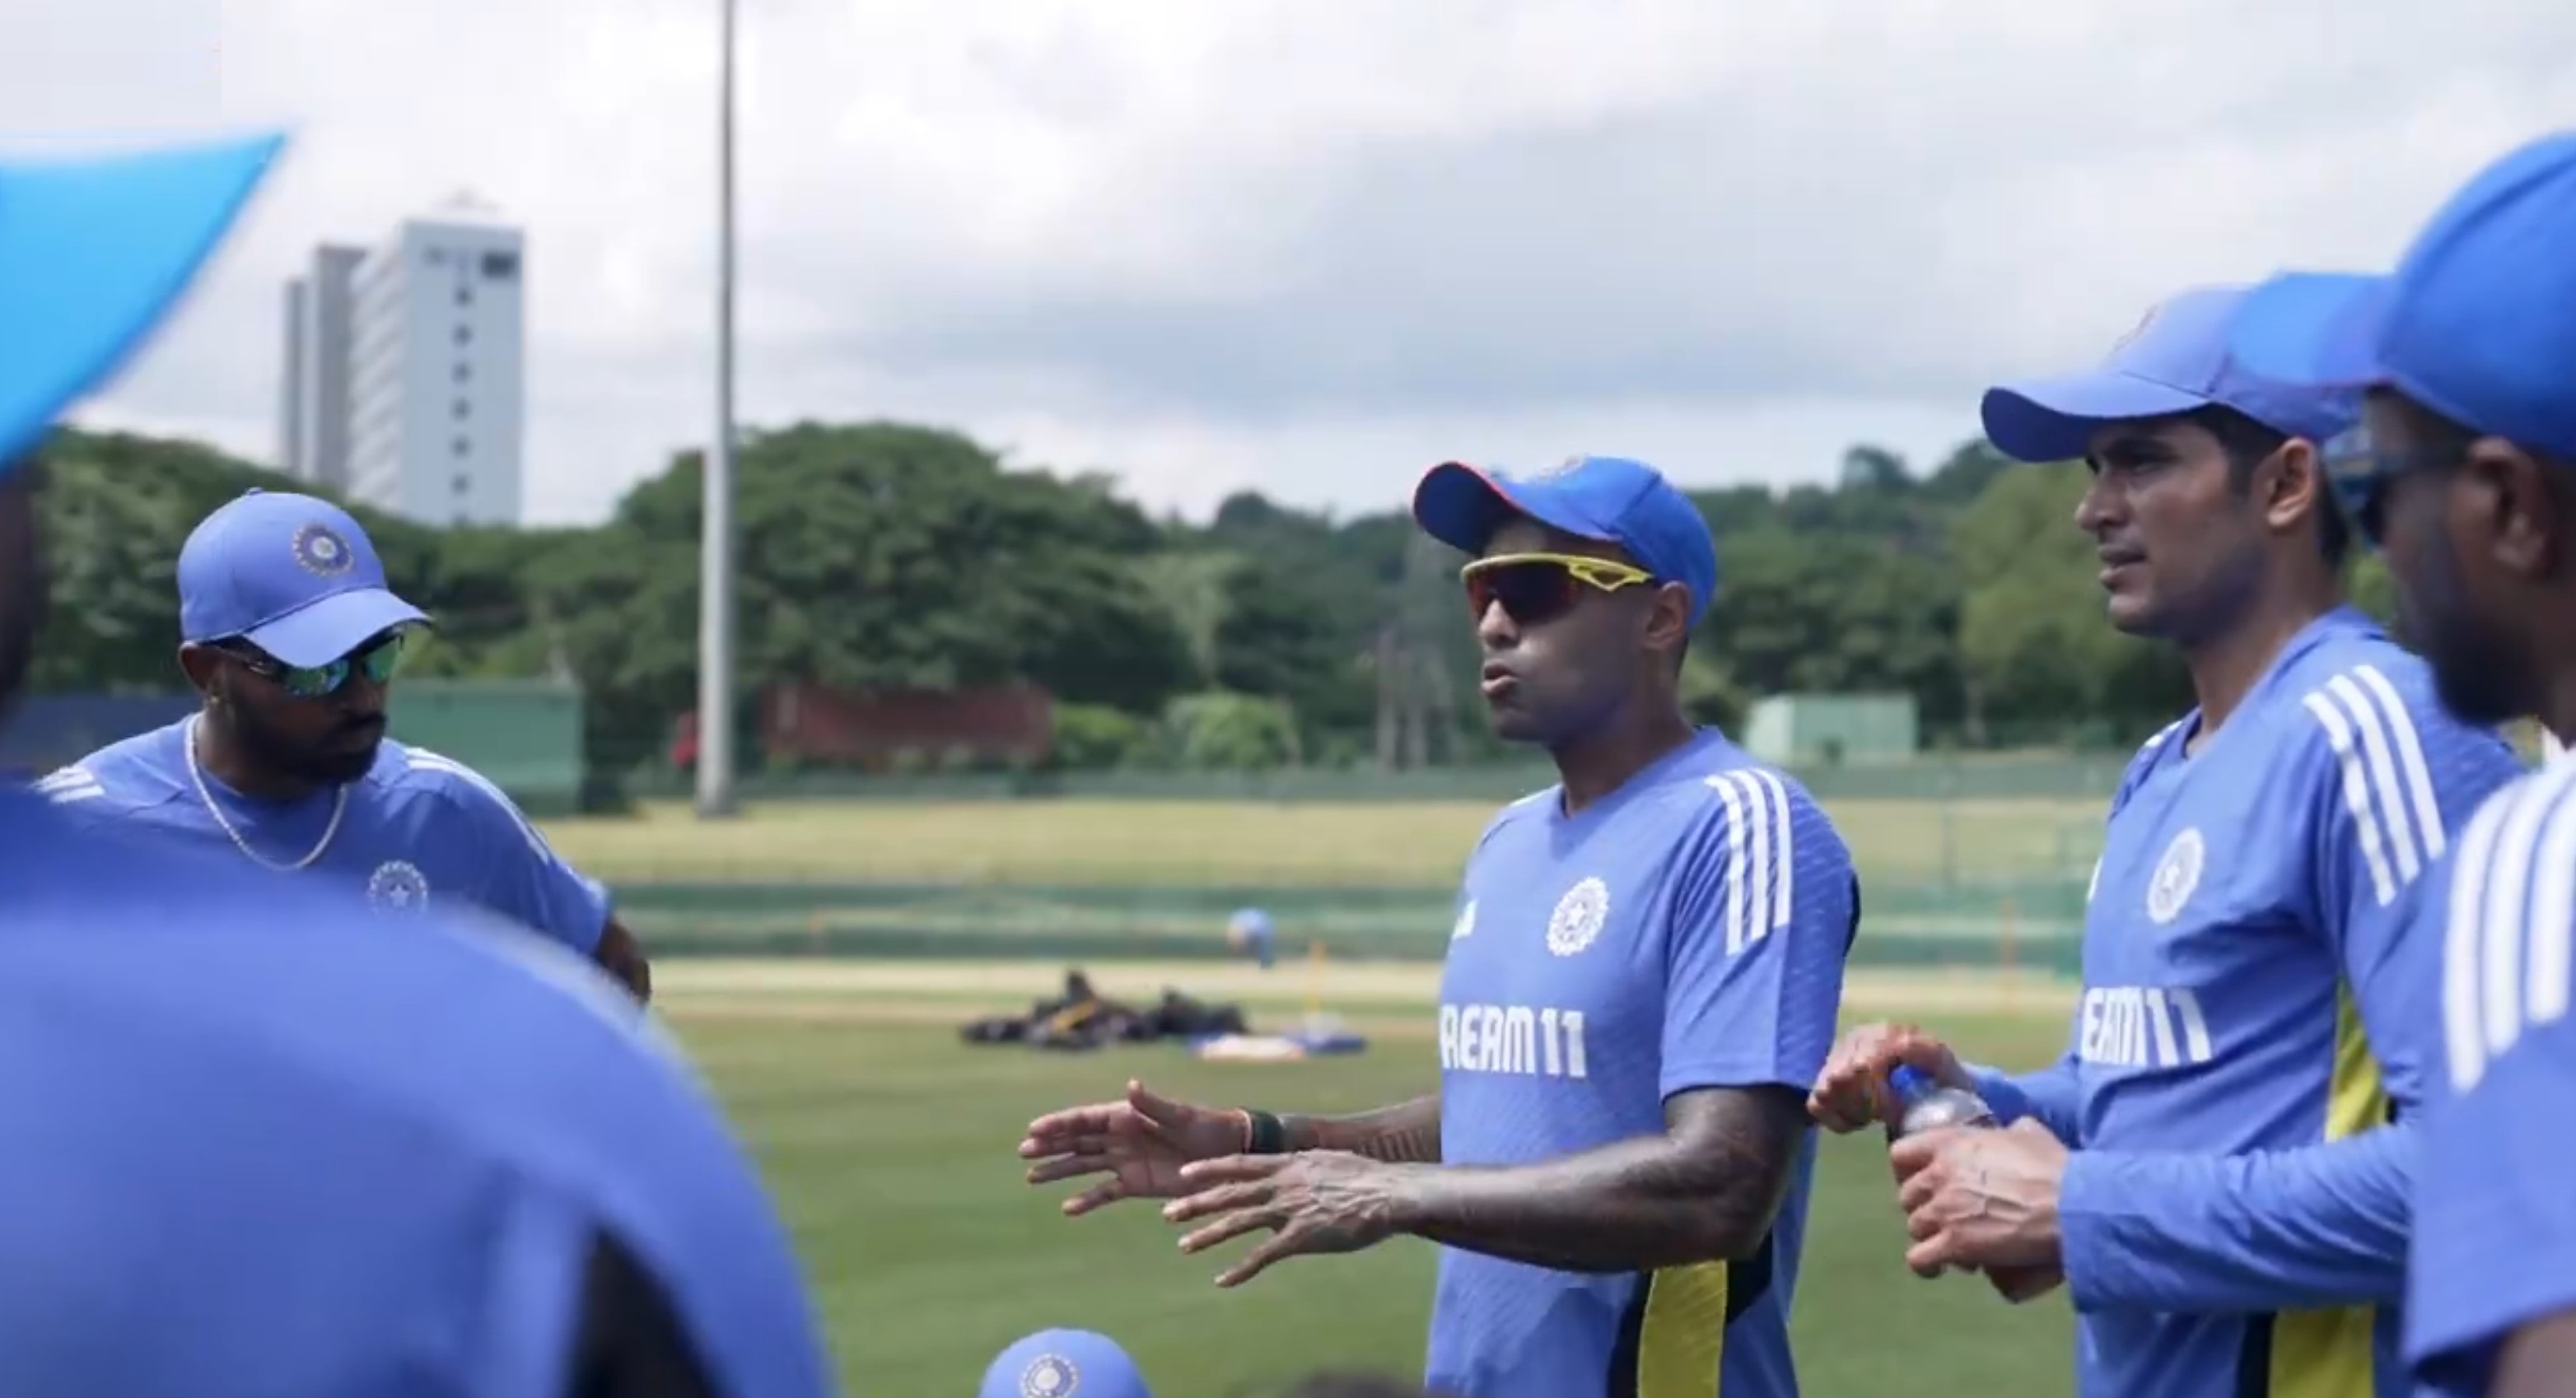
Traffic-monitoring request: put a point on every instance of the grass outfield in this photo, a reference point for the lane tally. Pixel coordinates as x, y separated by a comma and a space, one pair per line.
890, 1146
1302, 844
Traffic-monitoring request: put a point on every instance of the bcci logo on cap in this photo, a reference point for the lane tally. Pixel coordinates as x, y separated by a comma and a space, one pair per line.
1050, 1376
323, 553
1560, 470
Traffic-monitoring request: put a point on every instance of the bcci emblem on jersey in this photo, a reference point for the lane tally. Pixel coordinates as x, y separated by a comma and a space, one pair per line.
1050, 1376
2177, 874
322, 553
398, 887
1578, 917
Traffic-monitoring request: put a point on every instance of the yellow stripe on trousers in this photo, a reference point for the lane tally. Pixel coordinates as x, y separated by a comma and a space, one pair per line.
2328, 1354
1682, 1344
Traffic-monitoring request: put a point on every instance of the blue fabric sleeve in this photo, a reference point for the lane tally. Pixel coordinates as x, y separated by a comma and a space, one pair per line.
2394, 776
2047, 1095
2495, 1242
1754, 960
2321, 1226
527, 881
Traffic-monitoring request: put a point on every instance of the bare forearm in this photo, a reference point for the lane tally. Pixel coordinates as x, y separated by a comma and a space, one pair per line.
1703, 1191
1407, 1133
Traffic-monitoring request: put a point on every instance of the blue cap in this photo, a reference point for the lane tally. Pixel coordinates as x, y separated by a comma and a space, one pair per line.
2175, 361
93, 253
1064, 1364
1908, 1081
1606, 498
292, 575
2478, 323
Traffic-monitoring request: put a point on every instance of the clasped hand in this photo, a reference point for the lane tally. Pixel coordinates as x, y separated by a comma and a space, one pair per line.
1983, 1200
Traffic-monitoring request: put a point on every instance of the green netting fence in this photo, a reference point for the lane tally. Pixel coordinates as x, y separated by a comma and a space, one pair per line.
2028, 924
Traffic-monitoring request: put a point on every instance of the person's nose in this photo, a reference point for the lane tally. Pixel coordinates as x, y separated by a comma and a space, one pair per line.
2100, 507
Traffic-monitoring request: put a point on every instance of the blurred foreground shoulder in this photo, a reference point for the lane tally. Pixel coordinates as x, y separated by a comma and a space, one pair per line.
261, 1148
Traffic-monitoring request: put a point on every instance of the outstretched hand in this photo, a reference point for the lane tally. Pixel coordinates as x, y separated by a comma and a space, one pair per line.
1140, 1142
1317, 1201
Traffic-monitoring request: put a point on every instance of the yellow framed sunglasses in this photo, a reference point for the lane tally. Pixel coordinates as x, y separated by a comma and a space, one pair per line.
1533, 587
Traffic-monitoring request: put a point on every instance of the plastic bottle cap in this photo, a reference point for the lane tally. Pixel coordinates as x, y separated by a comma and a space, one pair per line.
1908, 1080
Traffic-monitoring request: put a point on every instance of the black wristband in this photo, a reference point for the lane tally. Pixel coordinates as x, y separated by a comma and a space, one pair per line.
1269, 1134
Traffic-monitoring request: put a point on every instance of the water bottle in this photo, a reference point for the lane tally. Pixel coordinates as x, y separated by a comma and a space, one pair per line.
1926, 1105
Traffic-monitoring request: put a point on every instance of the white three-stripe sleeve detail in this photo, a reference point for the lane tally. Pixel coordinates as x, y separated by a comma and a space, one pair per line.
1759, 854
2410, 758
2387, 784
2356, 794
1725, 787
1784, 852
2463, 1041
69, 784
2552, 917
2510, 942
2505, 922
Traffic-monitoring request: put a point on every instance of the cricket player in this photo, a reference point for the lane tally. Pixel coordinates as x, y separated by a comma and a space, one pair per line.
292, 640
2465, 477
252, 1155
1642, 980
2219, 1166
1250, 931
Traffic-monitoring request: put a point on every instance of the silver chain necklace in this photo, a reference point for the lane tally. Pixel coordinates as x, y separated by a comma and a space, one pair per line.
197, 774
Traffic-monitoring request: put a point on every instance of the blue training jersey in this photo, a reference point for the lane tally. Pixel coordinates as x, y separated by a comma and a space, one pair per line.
418, 830
2495, 1213
251, 1156
1687, 931
2249, 1052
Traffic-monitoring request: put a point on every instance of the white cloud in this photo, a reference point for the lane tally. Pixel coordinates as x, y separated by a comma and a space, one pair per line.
1311, 247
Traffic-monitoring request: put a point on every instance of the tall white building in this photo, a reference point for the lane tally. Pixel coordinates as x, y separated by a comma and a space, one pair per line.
313, 419
406, 370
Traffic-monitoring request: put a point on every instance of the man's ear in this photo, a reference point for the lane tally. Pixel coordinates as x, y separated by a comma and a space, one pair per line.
2526, 516
1668, 618
2296, 490
203, 666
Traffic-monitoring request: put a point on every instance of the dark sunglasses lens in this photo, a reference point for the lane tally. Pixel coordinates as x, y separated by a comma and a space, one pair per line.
313, 681
386, 660
1529, 592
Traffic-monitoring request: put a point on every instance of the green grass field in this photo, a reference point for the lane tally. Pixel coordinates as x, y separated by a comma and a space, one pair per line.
890, 1146
1302, 844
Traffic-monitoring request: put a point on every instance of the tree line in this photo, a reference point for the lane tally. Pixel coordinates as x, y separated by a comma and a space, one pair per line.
887, 555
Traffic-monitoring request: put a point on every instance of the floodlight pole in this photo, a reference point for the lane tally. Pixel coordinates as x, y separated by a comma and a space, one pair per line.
715, 792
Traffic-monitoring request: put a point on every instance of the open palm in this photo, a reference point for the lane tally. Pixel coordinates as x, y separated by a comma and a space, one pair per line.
1140, 1143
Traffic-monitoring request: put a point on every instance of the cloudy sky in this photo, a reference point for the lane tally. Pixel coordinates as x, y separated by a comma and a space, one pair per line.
1305, 247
